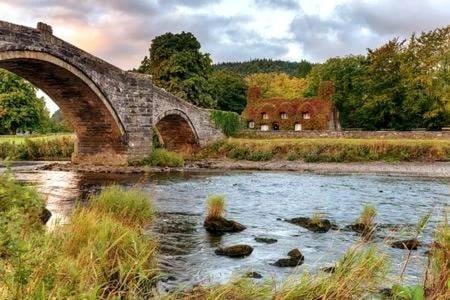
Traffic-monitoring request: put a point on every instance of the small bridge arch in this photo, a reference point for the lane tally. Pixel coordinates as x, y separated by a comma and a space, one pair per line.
176, 131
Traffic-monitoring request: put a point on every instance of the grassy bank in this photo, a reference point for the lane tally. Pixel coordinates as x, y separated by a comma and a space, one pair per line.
100, 253
47, 147
329, 150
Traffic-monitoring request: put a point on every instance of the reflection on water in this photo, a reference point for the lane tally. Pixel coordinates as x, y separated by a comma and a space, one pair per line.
260, 200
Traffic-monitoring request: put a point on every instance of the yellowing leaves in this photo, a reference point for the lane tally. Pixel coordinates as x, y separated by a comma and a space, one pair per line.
278, 85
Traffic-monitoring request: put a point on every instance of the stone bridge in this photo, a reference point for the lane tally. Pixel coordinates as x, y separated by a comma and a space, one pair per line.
115, 113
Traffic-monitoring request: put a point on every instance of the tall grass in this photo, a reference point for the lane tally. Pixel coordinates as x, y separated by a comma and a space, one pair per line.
99, 253
58, 147
367, 216
329, 150
215, 206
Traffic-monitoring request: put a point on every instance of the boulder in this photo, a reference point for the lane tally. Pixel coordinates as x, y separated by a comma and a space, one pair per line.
221, 225
330, 269
321, 225
295, 259
411, 244
45, 215
254, 275
265, 240
235, 251
363, 229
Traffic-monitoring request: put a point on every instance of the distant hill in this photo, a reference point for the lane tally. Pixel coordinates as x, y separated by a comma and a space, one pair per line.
260, 66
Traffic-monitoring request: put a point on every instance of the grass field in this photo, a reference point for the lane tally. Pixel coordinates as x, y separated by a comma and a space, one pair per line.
20, 139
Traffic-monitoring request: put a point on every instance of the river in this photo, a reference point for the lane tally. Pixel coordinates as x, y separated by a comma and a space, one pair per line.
261, 200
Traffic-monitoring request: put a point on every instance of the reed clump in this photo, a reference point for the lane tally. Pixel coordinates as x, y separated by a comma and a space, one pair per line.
215, 207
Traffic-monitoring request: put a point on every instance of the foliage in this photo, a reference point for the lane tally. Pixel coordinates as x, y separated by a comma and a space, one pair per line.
20, 108
277, 85
163, 158
228, 89
400, 85
415, 292
262, 66
97, 254
58, 123
331, 150
215, 206
177, 65
304, 67
57, 147
228, 122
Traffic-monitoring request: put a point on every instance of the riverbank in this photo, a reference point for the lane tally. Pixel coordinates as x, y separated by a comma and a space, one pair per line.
416, 169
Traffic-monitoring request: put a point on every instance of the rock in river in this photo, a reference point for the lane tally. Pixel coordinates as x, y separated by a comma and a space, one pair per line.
296, 258
321, 225
235, 251
220, 225
265, 240
411, 244
254, 275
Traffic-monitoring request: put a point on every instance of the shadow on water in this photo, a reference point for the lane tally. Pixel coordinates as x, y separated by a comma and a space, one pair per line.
259, 200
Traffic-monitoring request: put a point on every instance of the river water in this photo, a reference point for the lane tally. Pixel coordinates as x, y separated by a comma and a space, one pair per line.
261, 200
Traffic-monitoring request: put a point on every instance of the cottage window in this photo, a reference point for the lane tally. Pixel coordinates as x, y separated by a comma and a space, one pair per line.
275, 126
265, 116
306, 116
264, 127
251, 124
283, 116
298, 127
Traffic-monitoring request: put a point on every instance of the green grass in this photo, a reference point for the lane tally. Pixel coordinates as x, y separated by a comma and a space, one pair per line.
48, 147
329, 150
228, 122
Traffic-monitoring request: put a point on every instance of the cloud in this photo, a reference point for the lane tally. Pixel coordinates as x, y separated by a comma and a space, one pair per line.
121, 31
355, 25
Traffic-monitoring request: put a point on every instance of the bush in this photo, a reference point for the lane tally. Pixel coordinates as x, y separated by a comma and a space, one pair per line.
38, 148
226, 121
164, 158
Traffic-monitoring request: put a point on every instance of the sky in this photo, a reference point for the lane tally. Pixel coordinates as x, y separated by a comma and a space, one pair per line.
120, 31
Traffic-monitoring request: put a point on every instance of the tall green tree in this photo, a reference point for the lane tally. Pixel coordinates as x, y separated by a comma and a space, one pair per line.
20, 108
304, 67
229, 90
178, 66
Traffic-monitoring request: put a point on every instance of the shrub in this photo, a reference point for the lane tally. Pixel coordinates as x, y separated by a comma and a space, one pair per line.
38, 148
226, 121
129, 206
260, 156
215, 206
164, 158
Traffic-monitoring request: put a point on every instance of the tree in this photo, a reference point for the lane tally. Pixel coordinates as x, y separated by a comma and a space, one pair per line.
177, 65
229, 91
304, 67
280, 85
20, 108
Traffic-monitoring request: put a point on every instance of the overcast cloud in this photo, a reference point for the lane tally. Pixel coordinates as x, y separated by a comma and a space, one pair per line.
120, 31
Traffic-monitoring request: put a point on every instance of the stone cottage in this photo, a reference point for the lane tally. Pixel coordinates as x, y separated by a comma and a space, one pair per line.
315, 113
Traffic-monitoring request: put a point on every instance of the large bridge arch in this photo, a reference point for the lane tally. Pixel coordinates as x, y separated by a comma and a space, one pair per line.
100, 133
176, 131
